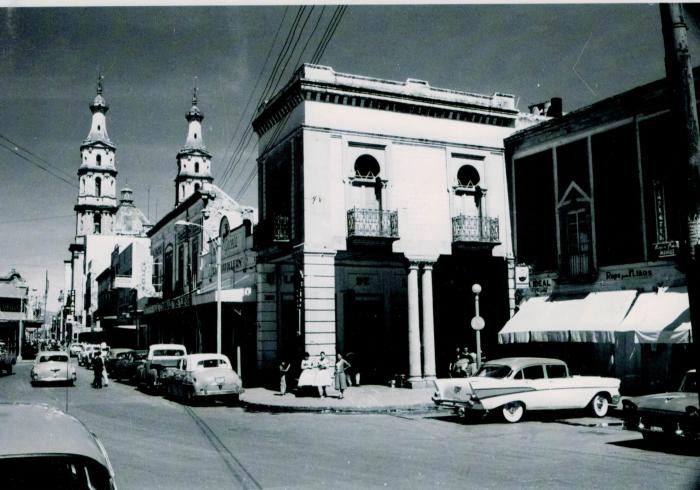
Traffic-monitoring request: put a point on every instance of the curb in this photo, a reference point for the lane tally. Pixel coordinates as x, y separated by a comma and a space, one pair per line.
264, 407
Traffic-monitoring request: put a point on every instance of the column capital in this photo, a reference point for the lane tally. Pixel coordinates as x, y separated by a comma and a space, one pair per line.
413, 266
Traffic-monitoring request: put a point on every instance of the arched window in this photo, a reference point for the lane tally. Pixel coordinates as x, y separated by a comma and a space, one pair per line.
366, 166
98, 187
99, 160
196, 167
224, 227
468, 176
196, 186
98, 224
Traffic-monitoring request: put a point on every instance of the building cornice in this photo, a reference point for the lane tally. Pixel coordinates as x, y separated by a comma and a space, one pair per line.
322, 84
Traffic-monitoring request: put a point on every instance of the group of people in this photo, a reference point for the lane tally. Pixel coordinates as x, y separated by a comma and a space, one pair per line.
464, 365
320, 373
99, 368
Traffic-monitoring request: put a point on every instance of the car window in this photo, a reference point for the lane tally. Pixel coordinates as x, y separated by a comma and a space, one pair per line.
168, 353
211, 363
689, 383
556, 371
493, 371
519, 375
533, 372
73, 472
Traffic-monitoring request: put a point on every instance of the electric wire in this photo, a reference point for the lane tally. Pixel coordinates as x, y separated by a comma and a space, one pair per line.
34, 155
47, 170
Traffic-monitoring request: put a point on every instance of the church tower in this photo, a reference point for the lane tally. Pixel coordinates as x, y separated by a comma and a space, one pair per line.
97, 200
193, 160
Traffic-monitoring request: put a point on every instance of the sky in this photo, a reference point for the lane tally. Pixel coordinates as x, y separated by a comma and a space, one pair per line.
150, 56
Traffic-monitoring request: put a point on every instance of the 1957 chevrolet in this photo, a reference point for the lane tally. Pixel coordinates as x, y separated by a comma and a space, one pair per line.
515, 384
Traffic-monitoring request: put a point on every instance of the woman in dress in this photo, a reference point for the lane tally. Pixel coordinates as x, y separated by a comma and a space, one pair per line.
308, 372
324, 376
341, 382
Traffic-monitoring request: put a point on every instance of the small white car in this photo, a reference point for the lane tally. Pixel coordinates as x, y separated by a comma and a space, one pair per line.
53, 367
516, 384
210, 376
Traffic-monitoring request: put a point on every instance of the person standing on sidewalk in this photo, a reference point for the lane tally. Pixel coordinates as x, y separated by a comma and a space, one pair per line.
341, 381
284, 368
324, 375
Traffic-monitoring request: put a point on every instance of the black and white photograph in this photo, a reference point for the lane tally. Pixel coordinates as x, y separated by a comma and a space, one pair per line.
370, 245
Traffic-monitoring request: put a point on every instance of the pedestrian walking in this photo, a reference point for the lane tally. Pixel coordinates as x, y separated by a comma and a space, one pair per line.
284, 368
105, 377
97, 368
341, 381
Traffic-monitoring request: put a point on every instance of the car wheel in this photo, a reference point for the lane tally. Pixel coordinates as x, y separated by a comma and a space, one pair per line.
513, 412
9, 369
600, 405
189, 396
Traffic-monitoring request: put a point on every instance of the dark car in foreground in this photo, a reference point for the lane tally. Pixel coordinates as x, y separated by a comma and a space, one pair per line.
666, 415
60, 453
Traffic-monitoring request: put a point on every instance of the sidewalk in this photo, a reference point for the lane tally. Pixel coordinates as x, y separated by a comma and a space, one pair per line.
366, 398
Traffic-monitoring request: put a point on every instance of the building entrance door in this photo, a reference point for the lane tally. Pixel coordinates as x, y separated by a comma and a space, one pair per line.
365, 337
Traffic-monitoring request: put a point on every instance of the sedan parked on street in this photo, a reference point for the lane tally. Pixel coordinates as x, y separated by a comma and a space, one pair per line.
672, 415
125, 366
53, 367
205, 376
516, 384
42, 447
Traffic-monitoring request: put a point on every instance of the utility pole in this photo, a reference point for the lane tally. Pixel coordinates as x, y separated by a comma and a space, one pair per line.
679, 74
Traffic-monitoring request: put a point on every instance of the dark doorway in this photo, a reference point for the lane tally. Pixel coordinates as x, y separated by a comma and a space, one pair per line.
365, 337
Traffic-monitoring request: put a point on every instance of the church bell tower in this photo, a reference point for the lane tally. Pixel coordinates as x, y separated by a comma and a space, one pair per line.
97, 201
193, 160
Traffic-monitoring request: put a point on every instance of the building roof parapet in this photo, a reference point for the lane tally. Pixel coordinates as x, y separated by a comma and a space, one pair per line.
437, 102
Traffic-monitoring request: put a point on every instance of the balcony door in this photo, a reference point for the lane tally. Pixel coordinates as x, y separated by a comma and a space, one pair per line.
578, 241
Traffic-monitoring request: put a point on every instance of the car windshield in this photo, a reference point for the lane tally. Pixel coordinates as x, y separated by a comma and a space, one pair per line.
55, 358
689, 384
167, 353
63, 471
212, 363
493, 371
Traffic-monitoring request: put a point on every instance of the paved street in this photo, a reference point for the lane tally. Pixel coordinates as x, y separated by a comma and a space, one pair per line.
156, 443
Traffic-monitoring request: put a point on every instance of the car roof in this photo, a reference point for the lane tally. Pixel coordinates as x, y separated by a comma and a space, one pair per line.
119, 350
52, 432
203, 356
51, 353
166, 346
519, 362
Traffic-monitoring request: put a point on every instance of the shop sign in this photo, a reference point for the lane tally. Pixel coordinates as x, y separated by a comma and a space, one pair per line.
170, 304
522, 277
666, 249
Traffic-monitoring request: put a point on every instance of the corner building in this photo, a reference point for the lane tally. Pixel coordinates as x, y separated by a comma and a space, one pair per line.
380, 204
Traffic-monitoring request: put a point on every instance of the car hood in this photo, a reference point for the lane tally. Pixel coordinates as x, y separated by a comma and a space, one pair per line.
676, 401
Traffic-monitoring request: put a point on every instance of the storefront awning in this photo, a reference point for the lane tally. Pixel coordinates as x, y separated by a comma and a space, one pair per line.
661, 317
593, 317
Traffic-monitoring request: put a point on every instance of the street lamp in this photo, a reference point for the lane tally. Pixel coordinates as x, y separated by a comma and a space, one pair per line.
477, 323
217, 243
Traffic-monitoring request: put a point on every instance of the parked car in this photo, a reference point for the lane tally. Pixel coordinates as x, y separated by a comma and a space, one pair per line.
666, 415
126, 366
161, 361
87, 354
75, 349
52, 367
60, 451
516, 384
205, 376
114, 356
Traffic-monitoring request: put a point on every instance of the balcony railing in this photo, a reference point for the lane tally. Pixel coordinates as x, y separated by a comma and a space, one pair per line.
373, 223
275, 229
475, 229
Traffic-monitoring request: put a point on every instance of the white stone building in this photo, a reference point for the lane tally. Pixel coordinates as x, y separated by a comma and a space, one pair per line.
380, 204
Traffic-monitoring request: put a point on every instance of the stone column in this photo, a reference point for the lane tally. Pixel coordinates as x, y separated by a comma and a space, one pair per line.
414, 367
428, 329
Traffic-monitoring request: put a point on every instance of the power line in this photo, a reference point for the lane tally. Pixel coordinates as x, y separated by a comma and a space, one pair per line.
60, 177
20, 147
37, 219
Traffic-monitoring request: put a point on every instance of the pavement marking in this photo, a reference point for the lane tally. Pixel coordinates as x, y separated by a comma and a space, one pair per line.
236, 468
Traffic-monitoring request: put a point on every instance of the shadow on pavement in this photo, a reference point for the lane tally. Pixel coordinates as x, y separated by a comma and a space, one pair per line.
669, 446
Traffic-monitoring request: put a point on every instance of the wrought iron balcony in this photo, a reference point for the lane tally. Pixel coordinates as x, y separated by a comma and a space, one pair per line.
373, 223
577, 266
475, 229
